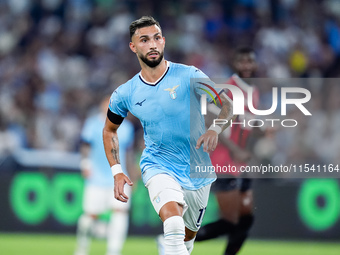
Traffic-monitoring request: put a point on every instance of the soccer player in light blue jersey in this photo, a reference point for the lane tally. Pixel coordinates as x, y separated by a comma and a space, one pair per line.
98, 192
166, 100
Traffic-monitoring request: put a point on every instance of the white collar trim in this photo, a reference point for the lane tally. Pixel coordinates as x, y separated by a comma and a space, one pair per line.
154, 83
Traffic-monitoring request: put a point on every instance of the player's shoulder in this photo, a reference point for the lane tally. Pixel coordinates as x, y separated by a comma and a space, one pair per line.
182, 70
179, 67
130, 82
239, 82
126, 88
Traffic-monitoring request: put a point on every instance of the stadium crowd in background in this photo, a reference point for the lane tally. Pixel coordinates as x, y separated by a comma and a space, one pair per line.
57, 55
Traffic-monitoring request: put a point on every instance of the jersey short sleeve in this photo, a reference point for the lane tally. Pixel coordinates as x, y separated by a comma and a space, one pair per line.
202, 84
119, 101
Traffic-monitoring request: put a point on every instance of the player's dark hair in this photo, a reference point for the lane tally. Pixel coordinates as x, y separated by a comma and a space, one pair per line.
145, 21
243, 50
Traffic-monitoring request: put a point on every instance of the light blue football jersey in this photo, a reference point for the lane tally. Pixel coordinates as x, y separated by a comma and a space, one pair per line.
164, 110
92, 133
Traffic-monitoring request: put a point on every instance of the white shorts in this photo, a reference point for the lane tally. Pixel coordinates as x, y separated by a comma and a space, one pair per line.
163, 189
97, 200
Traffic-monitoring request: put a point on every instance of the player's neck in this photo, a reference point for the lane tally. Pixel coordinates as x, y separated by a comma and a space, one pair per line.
152, 74
239, 76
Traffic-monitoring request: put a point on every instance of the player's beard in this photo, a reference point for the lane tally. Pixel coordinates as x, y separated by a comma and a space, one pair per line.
246, 74
154, 62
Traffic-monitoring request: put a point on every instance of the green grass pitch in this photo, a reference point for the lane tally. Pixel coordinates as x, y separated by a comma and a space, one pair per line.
45, 244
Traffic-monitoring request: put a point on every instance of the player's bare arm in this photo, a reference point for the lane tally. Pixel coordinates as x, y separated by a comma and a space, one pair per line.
210, 138
111, 146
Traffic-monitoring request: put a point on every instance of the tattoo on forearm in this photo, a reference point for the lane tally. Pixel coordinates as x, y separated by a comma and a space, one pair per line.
115, 149
226, 112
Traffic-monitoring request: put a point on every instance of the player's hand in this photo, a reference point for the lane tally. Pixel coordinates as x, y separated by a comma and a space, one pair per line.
120, 180
209, 141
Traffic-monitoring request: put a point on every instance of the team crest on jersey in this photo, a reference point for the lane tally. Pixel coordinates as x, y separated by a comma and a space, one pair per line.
172, 91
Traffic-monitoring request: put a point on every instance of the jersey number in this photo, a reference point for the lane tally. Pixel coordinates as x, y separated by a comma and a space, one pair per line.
200, 217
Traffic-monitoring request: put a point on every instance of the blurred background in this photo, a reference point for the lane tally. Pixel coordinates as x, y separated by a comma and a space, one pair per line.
59, 57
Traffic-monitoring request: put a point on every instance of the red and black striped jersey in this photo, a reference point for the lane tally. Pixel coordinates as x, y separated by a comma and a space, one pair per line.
238, 132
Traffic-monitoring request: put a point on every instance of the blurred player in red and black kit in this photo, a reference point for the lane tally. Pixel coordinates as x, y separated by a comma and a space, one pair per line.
234, 195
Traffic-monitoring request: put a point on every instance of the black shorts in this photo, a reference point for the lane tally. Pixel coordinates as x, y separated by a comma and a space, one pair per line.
229, 184
226, 184
246, 184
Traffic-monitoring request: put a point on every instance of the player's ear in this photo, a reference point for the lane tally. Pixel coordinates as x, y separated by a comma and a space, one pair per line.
132, 47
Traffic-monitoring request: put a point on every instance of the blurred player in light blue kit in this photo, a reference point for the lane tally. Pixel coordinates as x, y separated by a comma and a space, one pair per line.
98, 192
164, 99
